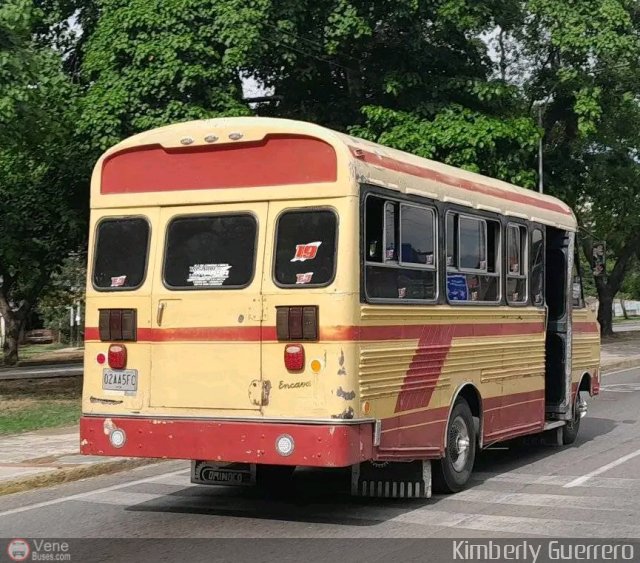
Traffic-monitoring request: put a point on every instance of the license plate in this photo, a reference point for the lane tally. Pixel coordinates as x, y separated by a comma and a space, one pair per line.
120, 379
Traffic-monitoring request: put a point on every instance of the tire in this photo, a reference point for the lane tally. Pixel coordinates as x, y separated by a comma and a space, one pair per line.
452, 472
274, 479
571, 428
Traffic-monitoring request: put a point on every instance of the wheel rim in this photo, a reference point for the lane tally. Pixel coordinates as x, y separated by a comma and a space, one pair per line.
459, 444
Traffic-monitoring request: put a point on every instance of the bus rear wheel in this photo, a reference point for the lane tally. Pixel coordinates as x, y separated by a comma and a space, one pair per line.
571, 428
452, 472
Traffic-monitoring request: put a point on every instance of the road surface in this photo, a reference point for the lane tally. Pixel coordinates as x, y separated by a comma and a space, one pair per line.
40, 372
589, 490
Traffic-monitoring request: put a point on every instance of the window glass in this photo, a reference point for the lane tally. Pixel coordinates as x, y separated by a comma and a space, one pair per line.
537, 267
306, 248
514, 251
390, 230
210, 252
409, 229
452, 222
121, 253
516, 264
374, 227
417, 231
472, 244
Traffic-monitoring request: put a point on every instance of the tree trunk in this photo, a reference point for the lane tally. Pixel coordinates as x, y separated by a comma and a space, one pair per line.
605, 312
624, 310
12, 336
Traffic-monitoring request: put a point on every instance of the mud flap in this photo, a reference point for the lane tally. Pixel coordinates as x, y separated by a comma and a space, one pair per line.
226, 474
392, 479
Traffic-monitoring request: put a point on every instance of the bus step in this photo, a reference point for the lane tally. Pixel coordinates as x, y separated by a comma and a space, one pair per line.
392, 479
230, 474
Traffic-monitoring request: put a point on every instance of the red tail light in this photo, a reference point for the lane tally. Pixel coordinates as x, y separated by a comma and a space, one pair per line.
117, 356
294, 357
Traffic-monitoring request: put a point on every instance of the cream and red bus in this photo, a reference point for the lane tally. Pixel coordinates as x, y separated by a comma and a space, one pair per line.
265, 294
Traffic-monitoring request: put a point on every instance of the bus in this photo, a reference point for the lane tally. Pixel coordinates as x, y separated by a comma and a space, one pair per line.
265, 294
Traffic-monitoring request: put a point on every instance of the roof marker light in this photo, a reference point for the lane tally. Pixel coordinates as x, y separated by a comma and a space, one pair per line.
236, 136
211, 138
186, 140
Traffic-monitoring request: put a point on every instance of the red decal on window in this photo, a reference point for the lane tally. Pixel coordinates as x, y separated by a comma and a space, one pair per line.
306, 251
304, 278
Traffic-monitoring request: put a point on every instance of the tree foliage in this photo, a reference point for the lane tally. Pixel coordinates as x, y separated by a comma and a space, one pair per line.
150, 63
42, 203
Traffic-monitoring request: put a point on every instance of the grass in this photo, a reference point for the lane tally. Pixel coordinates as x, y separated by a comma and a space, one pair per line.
28, 351
631, 319
41, 403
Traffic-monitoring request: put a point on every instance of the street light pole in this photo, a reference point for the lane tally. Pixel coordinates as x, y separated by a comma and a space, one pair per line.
540, 155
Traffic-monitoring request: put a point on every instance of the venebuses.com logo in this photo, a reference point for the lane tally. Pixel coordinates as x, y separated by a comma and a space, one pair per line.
18, 549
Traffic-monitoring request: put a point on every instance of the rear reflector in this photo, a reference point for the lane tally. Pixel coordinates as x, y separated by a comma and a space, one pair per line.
118, 324
297, 323
294, 357
117, 356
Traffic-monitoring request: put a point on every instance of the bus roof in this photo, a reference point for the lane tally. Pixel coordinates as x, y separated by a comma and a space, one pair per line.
267, 158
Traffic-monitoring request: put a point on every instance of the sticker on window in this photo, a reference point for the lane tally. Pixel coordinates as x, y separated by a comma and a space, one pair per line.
306, 251
402, 292
212, 275
304, 278
118, 281
457, 289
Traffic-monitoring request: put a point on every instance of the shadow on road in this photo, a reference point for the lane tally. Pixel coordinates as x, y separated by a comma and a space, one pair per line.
322, 496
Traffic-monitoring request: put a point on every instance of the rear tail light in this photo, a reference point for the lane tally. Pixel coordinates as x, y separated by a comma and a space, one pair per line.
117, 356
297, 323
118, 325
294, 357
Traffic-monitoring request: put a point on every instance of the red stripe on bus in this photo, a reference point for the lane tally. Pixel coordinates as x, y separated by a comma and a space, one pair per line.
454, 181
276, 160
432, 351
586, 327
332, 333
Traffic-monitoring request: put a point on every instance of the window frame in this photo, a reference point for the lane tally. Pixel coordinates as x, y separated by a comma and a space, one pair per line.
145, 272
537, 227
335, 213
397, 264
205, 215
498, 274
524, 245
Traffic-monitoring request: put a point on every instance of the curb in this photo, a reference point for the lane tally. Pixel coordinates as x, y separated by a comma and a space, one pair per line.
69, 474
49, 362
619, 365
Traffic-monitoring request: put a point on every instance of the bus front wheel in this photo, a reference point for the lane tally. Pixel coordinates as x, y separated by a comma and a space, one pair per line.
452, 472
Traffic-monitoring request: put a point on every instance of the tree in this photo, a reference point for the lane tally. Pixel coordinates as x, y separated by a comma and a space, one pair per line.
42, 197
582, 60
67, 289
150, 63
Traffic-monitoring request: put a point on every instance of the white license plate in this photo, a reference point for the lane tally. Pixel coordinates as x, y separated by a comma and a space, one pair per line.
120, 379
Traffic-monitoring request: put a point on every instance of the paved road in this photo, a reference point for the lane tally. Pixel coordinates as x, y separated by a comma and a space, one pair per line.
40, 372
589, 490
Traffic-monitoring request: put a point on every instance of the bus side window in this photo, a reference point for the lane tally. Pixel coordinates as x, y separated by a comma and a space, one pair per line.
473, 259
537, 267
516, 264
400, 250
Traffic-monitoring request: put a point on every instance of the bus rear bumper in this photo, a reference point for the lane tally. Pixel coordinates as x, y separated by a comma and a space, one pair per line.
314, 445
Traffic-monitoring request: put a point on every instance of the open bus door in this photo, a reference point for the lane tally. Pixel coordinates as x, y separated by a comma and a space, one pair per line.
559, 247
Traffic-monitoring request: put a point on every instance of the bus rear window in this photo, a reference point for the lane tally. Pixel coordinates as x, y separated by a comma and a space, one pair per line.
210, 252
306, 248
121, 253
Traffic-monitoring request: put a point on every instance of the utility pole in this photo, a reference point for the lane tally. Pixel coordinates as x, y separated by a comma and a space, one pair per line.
540, 155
